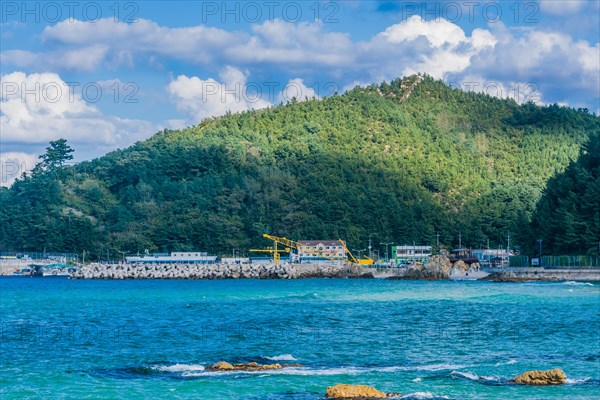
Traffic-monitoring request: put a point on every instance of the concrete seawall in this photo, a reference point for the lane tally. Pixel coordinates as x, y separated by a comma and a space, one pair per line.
541, 274
217, 271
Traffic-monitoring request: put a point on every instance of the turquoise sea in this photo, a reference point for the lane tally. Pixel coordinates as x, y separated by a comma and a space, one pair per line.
150, 339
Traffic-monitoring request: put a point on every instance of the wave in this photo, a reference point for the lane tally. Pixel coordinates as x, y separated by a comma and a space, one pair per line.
281, 357
509, 362
573, 283
422, 395
474, 377
305, 371
178, 367
577, 381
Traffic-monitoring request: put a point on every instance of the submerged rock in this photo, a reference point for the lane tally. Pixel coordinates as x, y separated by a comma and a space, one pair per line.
504, 276
220, 366
554, 376
251, 366
343, 391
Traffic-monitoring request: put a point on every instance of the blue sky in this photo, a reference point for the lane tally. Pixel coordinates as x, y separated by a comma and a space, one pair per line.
107, 74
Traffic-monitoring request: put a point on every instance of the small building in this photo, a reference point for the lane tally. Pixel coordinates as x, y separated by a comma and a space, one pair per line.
236, 260
410, 254
321, 251
196, 257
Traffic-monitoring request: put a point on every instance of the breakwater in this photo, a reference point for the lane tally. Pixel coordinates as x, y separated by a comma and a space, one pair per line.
217, 271
541, 274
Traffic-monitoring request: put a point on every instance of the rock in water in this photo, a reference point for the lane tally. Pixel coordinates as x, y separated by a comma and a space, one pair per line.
220, 366
342, 391
554, 376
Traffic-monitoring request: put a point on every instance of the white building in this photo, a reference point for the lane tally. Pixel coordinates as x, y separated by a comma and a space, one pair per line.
411, 254
175, 257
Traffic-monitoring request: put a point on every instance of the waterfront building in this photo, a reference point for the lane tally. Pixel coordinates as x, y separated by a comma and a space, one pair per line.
321, 251
175, 257
410, 254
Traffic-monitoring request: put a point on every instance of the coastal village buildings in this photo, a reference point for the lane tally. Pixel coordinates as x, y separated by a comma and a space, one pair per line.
318, 251
410, 254
175, 257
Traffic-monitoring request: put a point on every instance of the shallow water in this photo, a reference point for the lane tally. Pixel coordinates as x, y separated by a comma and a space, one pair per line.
152, 338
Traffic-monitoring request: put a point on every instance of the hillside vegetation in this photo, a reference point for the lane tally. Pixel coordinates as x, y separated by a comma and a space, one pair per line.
400, 161
567, 217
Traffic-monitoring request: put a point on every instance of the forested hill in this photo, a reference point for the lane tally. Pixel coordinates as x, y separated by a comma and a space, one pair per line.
567, 218
400, 161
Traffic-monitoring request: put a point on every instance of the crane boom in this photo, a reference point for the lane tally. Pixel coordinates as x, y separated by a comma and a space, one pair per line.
352, 258
290, 244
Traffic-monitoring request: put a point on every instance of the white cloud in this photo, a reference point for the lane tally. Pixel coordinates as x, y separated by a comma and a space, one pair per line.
14, 164
81, 59
202, 98
438, 33
37, 108
198, 44
295, 88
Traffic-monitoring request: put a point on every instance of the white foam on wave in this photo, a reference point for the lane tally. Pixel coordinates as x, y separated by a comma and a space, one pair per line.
509, 362
281, 357
303, 371
417, 379
179, 367
422, 395
473, 377
573, 283
577, 381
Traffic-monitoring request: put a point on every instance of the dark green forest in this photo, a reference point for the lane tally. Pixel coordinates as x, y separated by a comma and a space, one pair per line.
400, 161
567, 218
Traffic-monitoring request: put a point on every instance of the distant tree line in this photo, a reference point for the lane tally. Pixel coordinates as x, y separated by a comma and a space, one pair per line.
372, 162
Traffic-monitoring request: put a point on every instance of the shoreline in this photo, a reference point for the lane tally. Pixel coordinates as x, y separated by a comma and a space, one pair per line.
307, 271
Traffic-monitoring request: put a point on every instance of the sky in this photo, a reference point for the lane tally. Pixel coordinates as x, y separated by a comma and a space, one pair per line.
104, 75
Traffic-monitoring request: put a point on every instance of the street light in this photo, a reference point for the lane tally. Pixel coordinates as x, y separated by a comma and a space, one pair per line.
386, 249
359, 252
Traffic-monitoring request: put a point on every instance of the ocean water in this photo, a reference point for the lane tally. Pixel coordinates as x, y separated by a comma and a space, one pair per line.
64, 339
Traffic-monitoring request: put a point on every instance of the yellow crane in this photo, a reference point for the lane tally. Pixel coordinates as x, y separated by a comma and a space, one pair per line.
273, 251
289, 244
363, 261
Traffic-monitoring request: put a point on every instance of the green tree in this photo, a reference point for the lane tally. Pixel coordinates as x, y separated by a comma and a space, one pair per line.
57, 154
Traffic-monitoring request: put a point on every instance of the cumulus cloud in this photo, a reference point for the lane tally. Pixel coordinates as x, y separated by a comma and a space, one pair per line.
295, 88
564, 70
14, 164
37, 108
202, 98
198, 44
86, 58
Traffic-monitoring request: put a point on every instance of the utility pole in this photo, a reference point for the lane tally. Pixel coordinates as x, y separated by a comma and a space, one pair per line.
83, 260
386, 249
540, 243
459, 239
370, 248
437, 241
359, 252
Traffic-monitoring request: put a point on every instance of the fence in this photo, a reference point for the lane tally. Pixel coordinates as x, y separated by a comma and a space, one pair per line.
36, 256
570, 262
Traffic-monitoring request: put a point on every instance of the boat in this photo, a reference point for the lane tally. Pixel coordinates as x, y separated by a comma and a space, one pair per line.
58, 269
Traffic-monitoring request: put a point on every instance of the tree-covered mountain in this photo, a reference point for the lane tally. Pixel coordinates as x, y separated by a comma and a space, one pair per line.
567, 217
399, 161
